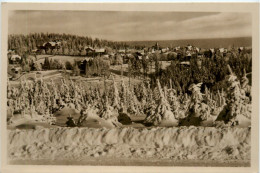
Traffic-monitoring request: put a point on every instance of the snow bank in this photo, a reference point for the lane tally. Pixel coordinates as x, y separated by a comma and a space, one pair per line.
174, 143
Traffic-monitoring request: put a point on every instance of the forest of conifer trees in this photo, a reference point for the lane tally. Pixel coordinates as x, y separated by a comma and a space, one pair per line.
69, 43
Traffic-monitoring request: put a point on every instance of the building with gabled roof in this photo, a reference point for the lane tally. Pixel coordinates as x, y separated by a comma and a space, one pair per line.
51, 45
15, 58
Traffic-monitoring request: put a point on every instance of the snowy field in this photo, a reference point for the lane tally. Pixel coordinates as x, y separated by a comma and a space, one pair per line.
155, 146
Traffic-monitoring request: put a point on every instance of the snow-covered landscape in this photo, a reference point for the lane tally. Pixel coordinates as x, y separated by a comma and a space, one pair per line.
160, 125
76, 100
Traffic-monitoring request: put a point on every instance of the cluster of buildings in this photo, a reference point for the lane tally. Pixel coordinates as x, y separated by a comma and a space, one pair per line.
184, 53
180, 52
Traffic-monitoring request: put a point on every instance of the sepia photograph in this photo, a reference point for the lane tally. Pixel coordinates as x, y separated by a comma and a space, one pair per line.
135, 85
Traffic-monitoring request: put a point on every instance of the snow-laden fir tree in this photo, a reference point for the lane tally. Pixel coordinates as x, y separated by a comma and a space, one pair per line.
123, 97
238, 108
197, 107
163, 111
133, 107
109, 114
116, 99
150, 106
215, 102
173, 99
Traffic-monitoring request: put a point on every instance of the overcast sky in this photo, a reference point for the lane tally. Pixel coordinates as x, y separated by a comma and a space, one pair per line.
132, 26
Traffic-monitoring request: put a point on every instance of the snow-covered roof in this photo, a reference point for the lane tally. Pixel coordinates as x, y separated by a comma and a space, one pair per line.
164, 50
221, 50
52, 43
106, 56
112, 54
121, 51
100, 50
188, 54
10, 51
14, 57
185, 63
89, 47
189, 47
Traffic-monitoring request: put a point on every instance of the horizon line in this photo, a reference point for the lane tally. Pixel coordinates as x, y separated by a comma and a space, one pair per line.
136, 40
187, 39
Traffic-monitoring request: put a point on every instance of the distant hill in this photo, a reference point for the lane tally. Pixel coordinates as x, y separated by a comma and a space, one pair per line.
202, 43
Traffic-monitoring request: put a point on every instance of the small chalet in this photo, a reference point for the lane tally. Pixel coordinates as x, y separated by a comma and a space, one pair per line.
99, 52
51, 45
240, 49
111, 54
121, 51
106, 56
164, 50
130, 50
11, 51
212, 50
189, 47
188, 54
92, 52
15, 58
89, 50
141, 52
221, 50
197, 49
177, 48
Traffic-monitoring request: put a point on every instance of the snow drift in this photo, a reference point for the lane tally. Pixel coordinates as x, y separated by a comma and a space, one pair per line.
201, 143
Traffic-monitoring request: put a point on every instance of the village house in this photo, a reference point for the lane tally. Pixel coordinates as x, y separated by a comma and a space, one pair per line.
141, 52
99, 52
11, 51
189, 47
188, 55
176, 48
15, 59
221, 50
240, 49
130, 50
89, 51
212, 50
121, 51
111, 54
164, 50
93, 52
51, 45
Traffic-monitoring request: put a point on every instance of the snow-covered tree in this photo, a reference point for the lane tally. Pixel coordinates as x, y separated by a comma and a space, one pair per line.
162, 111
238, 107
